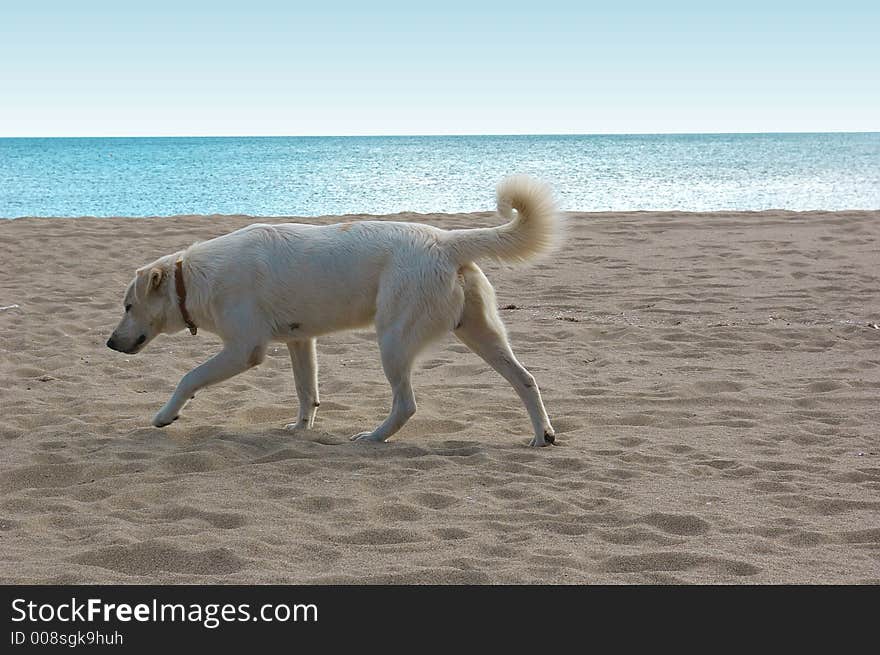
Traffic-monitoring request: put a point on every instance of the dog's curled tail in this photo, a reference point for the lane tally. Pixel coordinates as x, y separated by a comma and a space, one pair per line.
534, 230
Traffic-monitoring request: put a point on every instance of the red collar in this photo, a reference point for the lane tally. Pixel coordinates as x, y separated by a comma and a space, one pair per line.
181, 296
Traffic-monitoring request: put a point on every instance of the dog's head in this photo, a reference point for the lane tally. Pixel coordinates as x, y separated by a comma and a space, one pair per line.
149, 308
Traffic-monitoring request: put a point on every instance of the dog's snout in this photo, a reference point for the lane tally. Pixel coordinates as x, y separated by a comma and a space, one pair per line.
114, 344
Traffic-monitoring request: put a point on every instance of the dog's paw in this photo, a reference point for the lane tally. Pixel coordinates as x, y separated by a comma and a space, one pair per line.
299, 425
546, 439
162, 420
367, 436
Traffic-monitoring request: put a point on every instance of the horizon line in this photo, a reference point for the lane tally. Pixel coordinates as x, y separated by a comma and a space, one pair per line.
418, 135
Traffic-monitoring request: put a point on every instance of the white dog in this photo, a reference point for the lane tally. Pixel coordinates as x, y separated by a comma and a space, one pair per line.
294, 282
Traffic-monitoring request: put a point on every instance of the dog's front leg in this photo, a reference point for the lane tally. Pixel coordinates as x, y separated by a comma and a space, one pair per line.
230, 361
304, 359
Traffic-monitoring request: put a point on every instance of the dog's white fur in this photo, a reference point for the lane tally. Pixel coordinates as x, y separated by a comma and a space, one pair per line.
295, 282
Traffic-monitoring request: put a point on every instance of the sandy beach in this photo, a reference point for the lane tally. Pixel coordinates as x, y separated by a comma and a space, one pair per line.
713, 379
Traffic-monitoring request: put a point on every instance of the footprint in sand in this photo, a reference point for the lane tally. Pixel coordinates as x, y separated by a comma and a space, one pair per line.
146, 558
674, 561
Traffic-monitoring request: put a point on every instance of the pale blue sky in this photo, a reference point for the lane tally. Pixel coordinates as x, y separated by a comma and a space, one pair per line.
259, 67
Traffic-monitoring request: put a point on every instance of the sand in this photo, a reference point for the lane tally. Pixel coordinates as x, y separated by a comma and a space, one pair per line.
713, 380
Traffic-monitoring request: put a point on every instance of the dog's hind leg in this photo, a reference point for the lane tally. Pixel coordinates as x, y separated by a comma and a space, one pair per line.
304, 359
481, 330
398, 355
413, 309
232, 360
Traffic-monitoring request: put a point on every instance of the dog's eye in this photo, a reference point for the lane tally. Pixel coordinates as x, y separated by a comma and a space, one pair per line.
127, 308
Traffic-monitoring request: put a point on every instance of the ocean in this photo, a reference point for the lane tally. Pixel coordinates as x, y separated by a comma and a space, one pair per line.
314, 176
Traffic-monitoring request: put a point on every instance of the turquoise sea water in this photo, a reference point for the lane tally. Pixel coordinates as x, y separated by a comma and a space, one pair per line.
313, 176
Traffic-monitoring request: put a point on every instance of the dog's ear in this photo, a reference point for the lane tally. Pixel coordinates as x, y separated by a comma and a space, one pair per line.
147, 280
157, 276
